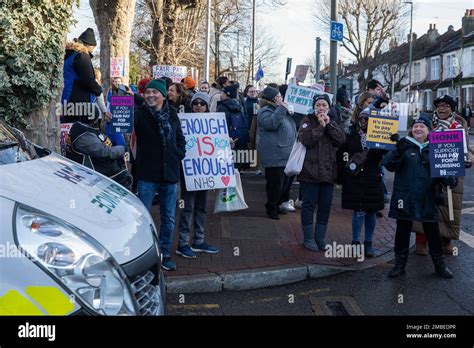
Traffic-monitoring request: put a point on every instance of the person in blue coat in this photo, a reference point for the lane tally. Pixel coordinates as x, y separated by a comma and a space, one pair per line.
415, 196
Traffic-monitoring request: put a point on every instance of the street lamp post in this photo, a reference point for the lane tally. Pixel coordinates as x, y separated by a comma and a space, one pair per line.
252, 63
410, 57
208, 41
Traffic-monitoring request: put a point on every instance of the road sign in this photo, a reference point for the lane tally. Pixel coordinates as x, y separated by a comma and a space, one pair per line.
336, 31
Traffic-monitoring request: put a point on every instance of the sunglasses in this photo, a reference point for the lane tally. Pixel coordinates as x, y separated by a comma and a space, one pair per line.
199, 103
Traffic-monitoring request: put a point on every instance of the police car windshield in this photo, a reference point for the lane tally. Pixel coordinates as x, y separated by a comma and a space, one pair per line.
10, 148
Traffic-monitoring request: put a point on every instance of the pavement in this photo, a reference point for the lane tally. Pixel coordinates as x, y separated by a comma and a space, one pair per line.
257, 252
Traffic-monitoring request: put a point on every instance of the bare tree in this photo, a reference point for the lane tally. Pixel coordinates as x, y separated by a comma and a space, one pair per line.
368, 27
114, 21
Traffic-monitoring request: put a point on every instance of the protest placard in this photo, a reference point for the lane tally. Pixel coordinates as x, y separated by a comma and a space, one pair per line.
300, 72
447, 153
176, 73
382, 124
64, 129
208, 163
117, 67
121, 108
300, 99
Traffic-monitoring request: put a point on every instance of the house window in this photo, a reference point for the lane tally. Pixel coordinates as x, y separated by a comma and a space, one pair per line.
428, 100
442, 91
472, 62
435, 68
450, 68
416, 72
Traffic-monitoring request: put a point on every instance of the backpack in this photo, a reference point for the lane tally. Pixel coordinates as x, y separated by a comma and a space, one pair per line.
239, 127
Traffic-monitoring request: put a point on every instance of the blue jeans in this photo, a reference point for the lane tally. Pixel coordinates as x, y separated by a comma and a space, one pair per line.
316, 194
358, 219
167, 196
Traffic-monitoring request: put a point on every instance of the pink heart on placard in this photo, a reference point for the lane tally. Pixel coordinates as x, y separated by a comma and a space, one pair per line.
225, 180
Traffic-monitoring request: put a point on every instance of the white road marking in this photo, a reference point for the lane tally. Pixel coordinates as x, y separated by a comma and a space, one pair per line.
466, 238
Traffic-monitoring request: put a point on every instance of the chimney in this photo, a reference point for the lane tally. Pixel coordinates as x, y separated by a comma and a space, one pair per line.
468, 22
413, 36
432, 34
393, 43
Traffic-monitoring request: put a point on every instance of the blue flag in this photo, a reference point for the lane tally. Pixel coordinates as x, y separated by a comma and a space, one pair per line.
259, 75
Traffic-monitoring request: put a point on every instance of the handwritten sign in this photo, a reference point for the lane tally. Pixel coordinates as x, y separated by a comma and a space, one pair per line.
447, 153
300, 99
64, 129
122, 114
176, 73
382, 124
208, 163
117, 67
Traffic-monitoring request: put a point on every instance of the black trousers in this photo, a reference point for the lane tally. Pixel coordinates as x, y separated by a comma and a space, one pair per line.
275, 182
431, 229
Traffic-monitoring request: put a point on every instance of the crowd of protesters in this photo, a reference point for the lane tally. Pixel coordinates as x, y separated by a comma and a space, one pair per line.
334, 136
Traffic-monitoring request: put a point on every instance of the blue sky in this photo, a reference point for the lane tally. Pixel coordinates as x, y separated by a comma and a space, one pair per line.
294, 27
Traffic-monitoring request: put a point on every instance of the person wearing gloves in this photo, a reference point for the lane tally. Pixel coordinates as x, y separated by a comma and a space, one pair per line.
362, 189
415, 195
194, 211
276, 136
445, 118
321, 137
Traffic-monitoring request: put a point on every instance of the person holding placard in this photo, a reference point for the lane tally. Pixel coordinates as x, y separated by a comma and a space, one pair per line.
362, 189
444, 118
322, 137
414, 196
160, 148
194, 211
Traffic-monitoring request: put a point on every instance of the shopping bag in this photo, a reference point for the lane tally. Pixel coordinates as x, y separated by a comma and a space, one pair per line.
230, 198
296, 159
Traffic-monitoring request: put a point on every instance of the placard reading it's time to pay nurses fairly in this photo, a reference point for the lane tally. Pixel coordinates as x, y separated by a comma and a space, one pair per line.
121, 108
381, 125
300, 99
208, 163
176, 73
447, 153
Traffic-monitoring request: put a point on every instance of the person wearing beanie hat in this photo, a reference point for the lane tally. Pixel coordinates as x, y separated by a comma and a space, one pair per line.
322, 97
276, 136
230, 91
235, 117
269, 93
445, 118
80, 84
161, 147
189, 85
88, 37
201, 97
142, 84
194, 212
321, 137
414, 197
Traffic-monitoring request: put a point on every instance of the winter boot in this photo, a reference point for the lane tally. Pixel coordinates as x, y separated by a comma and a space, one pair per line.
368, 249
440, 267
309, 242
319, 235
400, 262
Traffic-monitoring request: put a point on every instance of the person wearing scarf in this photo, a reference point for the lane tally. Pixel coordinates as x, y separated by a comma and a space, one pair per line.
362, 189
444, 118
160, 149
413, 197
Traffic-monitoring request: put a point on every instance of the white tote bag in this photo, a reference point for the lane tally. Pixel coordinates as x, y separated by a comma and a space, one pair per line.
230, 198
296, 159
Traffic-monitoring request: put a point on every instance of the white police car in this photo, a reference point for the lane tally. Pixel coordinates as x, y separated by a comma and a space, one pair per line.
72, 241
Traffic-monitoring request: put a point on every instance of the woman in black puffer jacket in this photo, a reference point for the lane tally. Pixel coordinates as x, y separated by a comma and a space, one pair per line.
415, 196
362, 189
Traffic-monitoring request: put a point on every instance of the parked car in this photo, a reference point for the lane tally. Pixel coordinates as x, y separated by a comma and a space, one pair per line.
72, 241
